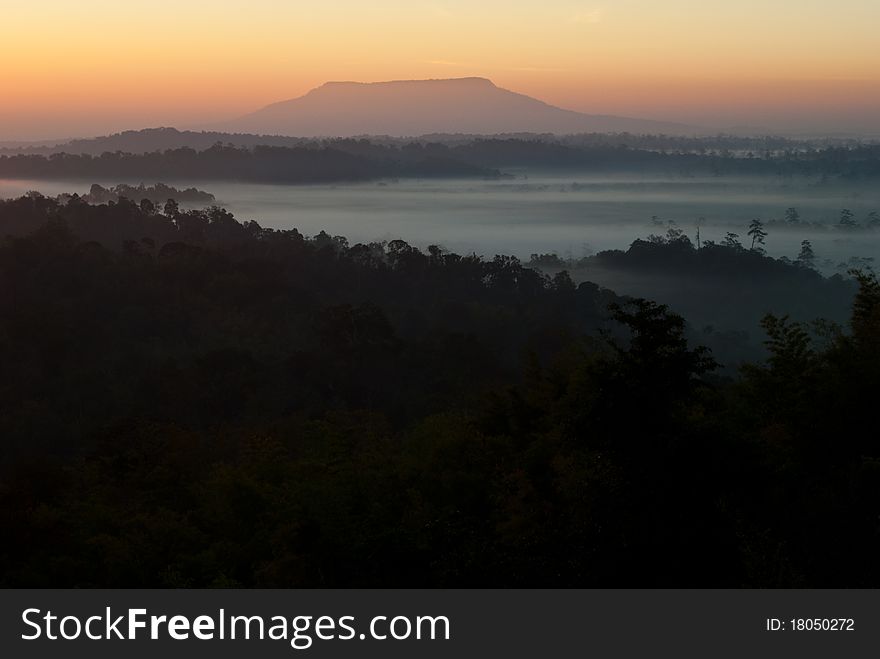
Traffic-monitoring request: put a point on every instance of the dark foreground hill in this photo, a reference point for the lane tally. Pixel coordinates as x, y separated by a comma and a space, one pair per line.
215, 404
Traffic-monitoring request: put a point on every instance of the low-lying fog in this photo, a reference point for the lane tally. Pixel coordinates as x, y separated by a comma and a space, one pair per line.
570, 214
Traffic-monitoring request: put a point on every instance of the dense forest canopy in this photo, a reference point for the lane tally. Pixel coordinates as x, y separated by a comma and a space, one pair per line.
161, 139
723, 289
188, 400
363, 159
155, 194
224, 162
692, 279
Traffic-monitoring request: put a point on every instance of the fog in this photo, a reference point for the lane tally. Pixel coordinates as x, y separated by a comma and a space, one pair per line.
237, 395
569, 214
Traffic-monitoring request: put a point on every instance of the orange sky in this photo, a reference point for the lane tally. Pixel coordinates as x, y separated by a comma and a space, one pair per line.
94, 66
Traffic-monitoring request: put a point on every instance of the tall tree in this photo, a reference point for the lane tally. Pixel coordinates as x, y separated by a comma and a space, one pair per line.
807, 257
757, 234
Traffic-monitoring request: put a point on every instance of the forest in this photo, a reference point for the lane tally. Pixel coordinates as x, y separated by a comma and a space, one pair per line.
190, 400
722, 289
161, 139
155, 194
337, 160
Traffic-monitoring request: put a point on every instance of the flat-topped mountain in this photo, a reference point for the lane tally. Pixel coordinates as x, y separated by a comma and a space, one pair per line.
419, 107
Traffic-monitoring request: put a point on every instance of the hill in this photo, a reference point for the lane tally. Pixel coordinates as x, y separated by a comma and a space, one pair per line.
418, 107
272, 410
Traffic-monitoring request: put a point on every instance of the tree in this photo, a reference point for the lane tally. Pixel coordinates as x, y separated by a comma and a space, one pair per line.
792, 216
873, 219
847, 218
562, 282
658, 345
700, 222
791, 353
732, 240
171, 209
806, 258
757, 234
673, 233
865, 320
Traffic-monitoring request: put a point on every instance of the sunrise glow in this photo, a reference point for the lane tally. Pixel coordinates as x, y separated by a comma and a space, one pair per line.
98, 65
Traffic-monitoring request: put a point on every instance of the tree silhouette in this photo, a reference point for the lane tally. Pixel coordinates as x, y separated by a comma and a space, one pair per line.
674, 233
203, 402
731, 240
171, 209
866, 309
806, 258
757, 234
658, 345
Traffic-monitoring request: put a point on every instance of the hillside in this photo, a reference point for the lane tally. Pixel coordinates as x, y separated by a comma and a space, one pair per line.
418, 107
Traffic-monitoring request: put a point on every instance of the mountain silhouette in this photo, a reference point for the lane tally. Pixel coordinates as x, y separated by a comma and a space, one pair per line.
420, 107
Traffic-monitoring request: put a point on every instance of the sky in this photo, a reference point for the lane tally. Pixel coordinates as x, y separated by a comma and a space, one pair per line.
91, 67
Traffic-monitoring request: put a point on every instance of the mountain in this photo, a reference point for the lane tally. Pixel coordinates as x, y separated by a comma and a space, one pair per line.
419, 107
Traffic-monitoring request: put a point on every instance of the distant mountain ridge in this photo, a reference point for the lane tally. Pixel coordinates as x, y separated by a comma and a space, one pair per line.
148, 140
419, 107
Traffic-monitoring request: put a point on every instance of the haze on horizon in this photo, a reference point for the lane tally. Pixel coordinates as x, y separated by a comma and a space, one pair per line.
96, 67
